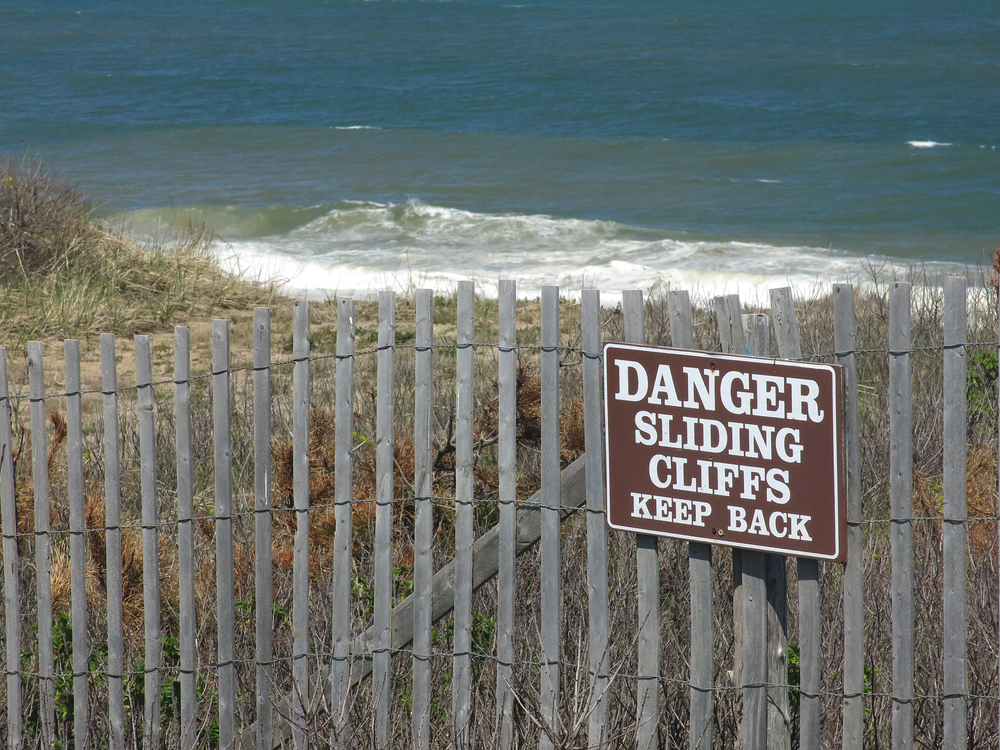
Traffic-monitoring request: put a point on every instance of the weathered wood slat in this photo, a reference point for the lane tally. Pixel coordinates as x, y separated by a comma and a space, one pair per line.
550, 573
681, 327
901, 498
423, 528
732, 340
854, 612
11, 563
150, 538
810, 657
113, 541
224, 573
724, 309
43, 541
384, 443
77, 543
597, 529
760, 606
300, 500
730, 324
728, 312
956, 623
507, 489
262, 467
648, 571
753, 729
343, 491
700, 571
462, 645
185, 537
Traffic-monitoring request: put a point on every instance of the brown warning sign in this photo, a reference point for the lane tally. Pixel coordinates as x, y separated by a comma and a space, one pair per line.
739, 451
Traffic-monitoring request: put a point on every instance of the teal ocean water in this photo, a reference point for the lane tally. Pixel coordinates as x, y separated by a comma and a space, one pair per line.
351, 146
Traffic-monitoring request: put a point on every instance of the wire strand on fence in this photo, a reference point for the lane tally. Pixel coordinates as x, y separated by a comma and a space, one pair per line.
440, 501
325, 656
486, 346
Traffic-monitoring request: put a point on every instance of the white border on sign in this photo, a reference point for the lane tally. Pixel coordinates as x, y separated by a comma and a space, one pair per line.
729, 358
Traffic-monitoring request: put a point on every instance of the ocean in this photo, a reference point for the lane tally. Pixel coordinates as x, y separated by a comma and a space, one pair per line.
350, 146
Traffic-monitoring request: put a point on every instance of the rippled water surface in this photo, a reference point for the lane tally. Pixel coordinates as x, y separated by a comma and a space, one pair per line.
350, 145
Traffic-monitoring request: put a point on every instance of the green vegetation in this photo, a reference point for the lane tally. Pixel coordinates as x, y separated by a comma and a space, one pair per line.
65, 274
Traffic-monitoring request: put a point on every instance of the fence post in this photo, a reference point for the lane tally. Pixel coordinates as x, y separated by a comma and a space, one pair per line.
340, 668
956, 621
648, 572
507, 465
382, 558
550, 571
810, 656
701, 575
854, 611
462, 659
185, 537
224, 574
756, 661
729, 321
113, 541
78, 543
43, 554
597, 530
300, 498
264, 616
901, 529
150, 540
11, 563
423, 526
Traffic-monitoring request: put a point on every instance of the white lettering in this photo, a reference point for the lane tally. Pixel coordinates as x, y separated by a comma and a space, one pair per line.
760, 438
734, 429
757, 526
708, 426
777, 486
663, 508
773, 525
706, 391
724, 475
768, 388
665, 441
639, 508
804, 392
737, 518
726, 388
752, 475
645, 427
790, 454
706, 487
625, 367
679, 484
664, 383
798, 530
701, 509
692, 423
654, 470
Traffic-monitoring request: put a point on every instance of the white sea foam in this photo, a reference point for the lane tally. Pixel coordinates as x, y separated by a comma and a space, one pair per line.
926, 144
359, 248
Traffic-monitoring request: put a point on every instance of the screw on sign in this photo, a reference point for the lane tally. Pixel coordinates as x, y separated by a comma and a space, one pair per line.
739, 451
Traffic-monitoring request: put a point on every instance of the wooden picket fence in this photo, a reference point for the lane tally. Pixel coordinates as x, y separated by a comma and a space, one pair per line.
381, 678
